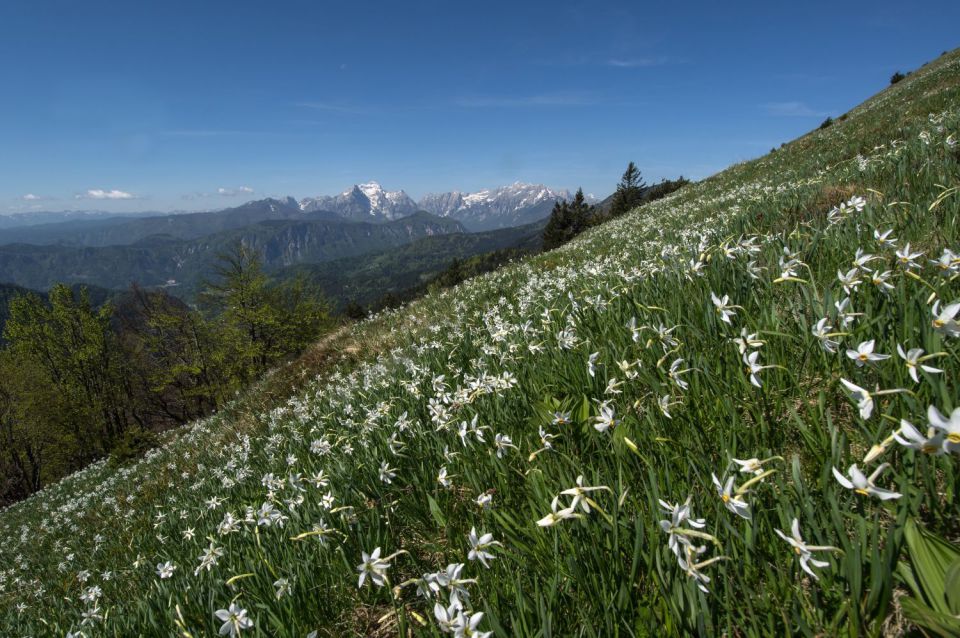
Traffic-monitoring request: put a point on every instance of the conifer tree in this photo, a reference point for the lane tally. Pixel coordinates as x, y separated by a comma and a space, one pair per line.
629, 191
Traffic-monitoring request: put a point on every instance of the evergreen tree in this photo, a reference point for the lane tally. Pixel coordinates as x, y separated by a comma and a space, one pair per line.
557, 231
567, 220
629, 193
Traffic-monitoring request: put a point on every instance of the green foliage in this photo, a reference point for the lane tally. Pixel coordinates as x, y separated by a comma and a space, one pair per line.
134, 443
827, 122
663, 188
567, 220
933, 576
896, 77
80, 382
258, 323
629, 191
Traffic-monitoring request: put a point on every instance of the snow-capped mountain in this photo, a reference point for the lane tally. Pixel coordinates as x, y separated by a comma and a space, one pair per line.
512, 205
364, 202
488, 209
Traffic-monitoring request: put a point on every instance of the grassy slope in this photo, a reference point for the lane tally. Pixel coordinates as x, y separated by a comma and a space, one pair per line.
609, 572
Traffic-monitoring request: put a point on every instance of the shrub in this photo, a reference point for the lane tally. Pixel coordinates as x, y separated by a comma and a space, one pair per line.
896, 77
134, 443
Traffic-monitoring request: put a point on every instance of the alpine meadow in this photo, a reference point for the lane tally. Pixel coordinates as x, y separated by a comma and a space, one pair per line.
730, 411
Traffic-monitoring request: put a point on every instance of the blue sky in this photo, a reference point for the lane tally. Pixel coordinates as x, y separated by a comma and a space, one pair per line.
205, 104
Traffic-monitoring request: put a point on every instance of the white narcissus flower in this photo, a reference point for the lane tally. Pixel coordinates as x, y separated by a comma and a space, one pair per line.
822, 331
950, 427
723, 307
484, 500
234, 620
947, 263
944, 321
165, 570
605, 420
861, 259
864, 398
503, 443
556, 515
479, 546
750, 466
443, 478
579, 494
909, 436
678, 536
914, 359
746, 341
731, 501
374, 567
804, 551
864, 353
849, 280
591, 364
753, 367
282, 587
907, 259
881, 280
864, 485
675, 372
885, 240
387, 473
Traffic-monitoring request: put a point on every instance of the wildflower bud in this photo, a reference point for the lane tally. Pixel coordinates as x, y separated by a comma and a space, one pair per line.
875, 452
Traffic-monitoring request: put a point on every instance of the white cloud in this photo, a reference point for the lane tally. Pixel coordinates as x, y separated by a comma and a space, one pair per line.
548, 99
97, 193
30, 197
631, 63
336, 107
231, 192
791, 109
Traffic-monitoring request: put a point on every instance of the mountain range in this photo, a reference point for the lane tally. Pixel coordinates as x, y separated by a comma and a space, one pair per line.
178, 250
489, 209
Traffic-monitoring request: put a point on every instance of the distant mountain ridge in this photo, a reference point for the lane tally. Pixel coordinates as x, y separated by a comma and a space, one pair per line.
364, 202
157, 258
514, 205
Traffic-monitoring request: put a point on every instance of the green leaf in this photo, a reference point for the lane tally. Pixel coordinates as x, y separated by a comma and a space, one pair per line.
931, 556
435, 512
922, 616
583, 414
952, 587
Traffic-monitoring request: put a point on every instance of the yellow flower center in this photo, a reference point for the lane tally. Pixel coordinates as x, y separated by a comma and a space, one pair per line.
954, 437
726, 498
861, 491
